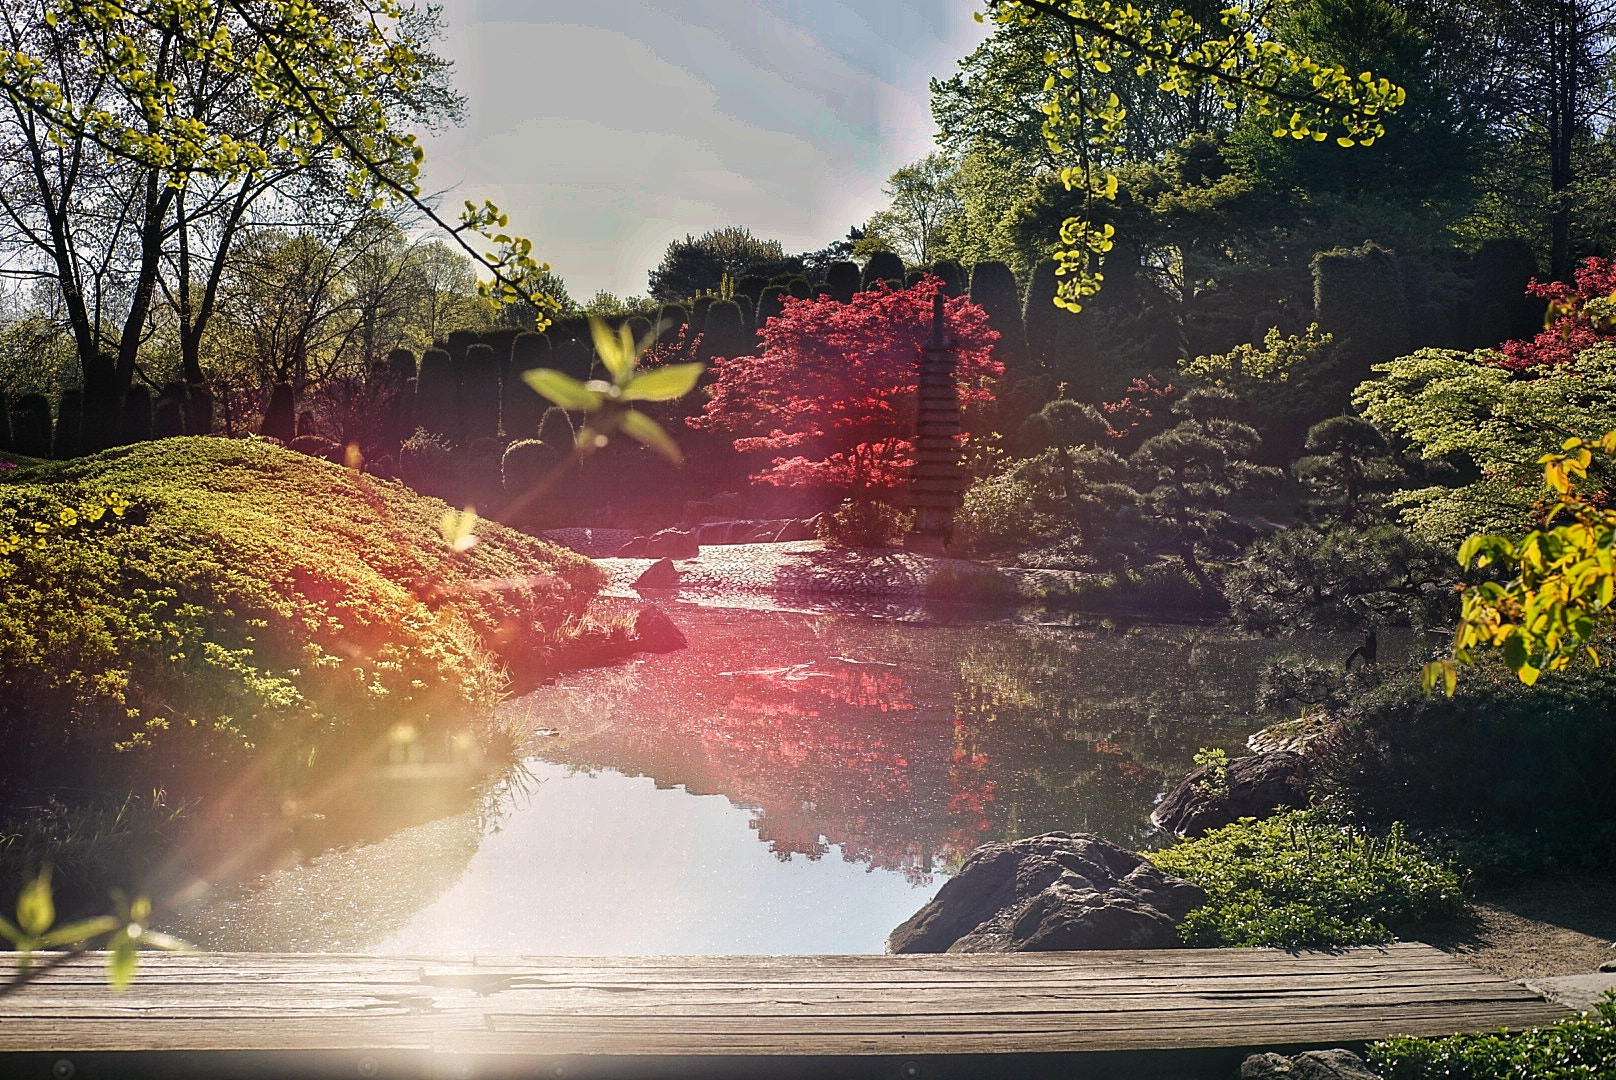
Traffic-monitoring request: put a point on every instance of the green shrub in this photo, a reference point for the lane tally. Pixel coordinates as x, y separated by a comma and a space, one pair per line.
862, 523
521, 406
1000, 511
883, 266
1307, 878
479, 377
424, 461
1160, 588
841, 281
1498, 756
176, 610
1579, 1048
993, 286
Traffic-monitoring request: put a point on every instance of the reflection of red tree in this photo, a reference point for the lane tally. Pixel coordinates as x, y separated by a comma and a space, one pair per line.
902, 768
828, 752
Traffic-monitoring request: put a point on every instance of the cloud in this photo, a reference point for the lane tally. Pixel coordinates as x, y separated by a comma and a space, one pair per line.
655, 120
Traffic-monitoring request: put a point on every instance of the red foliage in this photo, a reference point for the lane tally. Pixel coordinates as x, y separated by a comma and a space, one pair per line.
1570, 330
833, 392
1145, 400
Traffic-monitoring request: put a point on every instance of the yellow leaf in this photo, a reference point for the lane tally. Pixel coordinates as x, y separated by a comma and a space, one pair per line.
663, 383
35, 908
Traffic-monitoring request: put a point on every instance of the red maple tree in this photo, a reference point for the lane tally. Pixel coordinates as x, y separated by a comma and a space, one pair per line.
832, 393
1570, 329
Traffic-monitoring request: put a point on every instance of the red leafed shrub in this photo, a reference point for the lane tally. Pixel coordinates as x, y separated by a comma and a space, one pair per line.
1144, 404
833, 391
1570, 329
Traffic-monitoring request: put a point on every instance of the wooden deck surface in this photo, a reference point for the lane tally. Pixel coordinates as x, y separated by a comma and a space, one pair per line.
1168, 1012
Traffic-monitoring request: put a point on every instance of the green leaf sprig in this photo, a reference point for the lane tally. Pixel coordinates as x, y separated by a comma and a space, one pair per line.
608, 404
126, 932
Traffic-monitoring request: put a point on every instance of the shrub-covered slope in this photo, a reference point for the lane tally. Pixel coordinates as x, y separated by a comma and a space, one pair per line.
180, 606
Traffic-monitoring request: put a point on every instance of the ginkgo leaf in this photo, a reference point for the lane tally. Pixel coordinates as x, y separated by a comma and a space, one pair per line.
459, 528
84, 930
663, 383
562, 389
122, 960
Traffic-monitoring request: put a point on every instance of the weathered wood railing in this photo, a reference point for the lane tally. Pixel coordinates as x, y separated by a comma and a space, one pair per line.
1168, 1012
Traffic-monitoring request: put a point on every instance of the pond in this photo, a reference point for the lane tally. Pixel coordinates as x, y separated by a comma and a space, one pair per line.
797, 783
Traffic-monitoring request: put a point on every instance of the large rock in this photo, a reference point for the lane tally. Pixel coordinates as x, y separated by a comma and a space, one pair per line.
655, 632
753, 531
1308, 1065
1253, 786
661, 574
1052, 892
672, 544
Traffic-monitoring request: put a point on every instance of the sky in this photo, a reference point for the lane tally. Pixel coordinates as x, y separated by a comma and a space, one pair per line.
608, 128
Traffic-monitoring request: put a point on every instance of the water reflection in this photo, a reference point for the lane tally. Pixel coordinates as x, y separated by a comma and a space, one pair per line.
907, 745
608, 864
797, 783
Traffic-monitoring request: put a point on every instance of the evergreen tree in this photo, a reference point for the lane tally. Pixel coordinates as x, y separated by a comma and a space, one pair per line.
1348, 472
1187, 475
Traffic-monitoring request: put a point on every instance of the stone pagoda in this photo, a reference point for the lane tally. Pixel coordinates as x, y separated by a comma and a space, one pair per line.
937, 484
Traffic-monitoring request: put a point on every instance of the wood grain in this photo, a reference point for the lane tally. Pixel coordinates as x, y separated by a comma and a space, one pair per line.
218, 1014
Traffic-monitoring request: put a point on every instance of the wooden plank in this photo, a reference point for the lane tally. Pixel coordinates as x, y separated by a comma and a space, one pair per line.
661, 1016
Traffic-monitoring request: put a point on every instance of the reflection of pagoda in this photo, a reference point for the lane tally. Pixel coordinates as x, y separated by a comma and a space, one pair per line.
937, 484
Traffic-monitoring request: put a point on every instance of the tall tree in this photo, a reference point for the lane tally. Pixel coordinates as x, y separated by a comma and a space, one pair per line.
446, 294
699, 263
111, 189
154, 126
1564, 50
1526, 87
924, 195
1237, 57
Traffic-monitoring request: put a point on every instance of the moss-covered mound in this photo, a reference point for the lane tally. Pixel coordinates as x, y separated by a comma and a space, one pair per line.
173, 611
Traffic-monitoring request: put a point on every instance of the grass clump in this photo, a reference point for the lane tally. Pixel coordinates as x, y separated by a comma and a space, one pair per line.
1579, 1048
181, 612
1308, 878
862, 523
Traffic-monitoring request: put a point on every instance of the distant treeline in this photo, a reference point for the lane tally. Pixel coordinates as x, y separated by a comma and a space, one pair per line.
469, 387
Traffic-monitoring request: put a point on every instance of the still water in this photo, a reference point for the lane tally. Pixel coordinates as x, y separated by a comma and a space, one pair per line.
797, 783
791, 783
